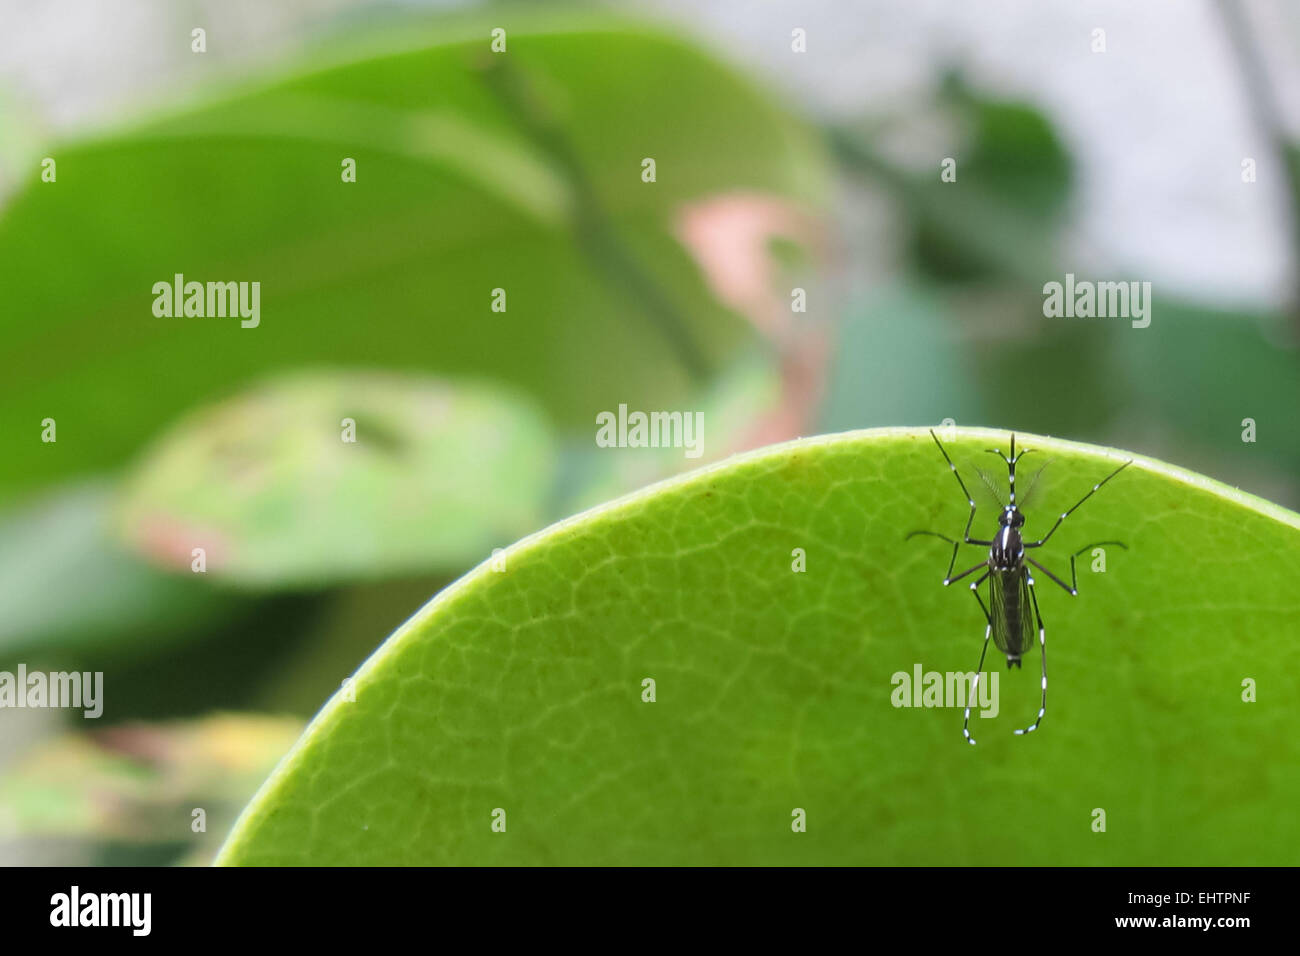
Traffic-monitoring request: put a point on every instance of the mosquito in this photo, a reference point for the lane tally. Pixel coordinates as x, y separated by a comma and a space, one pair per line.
1012, 609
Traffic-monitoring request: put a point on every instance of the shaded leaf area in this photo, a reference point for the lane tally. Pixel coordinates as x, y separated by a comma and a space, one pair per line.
523, 690
464, 185
320, 477
127, 795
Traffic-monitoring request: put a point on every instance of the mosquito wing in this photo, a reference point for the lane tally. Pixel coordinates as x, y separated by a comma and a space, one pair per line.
1027, 626
1012, 612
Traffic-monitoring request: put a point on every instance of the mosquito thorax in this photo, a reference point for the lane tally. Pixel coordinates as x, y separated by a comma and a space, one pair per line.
1007, 549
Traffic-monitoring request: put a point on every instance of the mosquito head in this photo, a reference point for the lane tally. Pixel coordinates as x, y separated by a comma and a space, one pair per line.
1011, 517
1010, 461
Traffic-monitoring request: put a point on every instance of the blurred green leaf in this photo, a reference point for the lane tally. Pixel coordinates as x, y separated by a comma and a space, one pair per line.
271, 486
1013, 152
523, 690
520, 172
896, 359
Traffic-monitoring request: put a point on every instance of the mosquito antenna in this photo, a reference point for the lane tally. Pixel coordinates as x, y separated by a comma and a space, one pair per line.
1027, 497
988, 481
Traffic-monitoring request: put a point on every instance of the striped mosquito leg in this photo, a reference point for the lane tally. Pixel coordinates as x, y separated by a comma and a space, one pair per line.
1042, 643
970, 520
1095, 488
979, 669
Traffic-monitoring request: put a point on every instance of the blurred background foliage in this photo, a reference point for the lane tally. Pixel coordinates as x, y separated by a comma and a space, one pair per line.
478, 172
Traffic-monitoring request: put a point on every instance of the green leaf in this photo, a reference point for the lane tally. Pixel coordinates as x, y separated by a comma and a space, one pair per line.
315, 478
520, 172
521, 690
